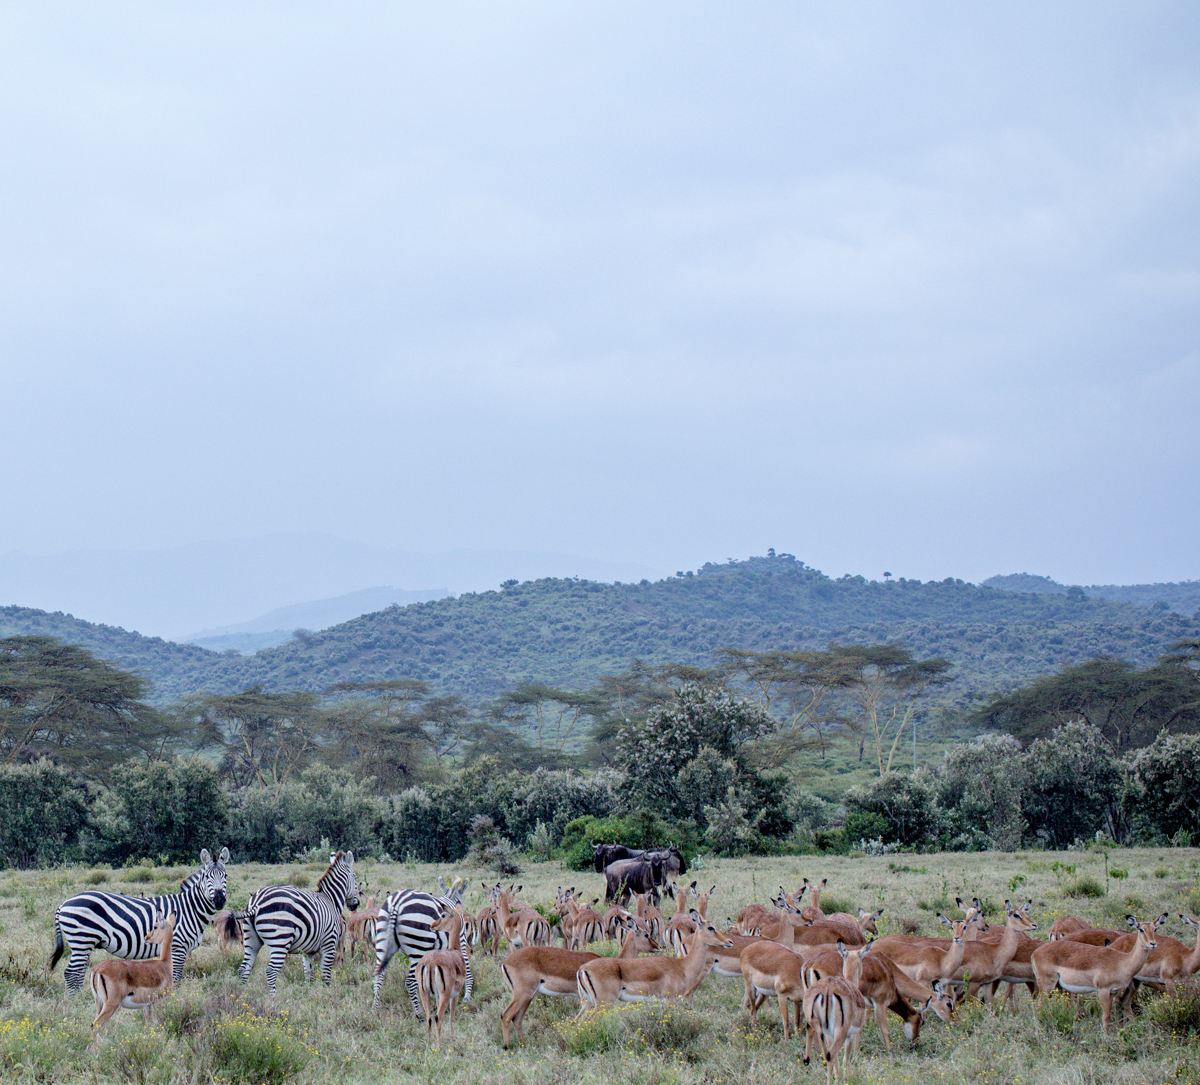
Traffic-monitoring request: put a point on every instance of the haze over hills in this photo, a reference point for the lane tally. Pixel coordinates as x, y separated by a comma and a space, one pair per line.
277, 626
214, 585
569, 632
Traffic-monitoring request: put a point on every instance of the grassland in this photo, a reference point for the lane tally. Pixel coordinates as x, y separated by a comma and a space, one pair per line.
213, 1029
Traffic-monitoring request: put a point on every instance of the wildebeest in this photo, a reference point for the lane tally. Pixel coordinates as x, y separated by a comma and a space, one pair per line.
604, 855
627, 876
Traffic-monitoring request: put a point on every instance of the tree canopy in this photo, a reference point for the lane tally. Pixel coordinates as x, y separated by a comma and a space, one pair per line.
60, 701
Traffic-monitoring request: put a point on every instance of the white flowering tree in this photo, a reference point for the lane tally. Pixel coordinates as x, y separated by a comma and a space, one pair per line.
699, 723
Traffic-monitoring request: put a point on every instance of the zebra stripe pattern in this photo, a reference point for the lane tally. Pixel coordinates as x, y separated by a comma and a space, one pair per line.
290, 920
405, 927
120, 924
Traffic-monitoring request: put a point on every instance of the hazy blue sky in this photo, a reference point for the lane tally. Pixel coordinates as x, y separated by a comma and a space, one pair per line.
887, 286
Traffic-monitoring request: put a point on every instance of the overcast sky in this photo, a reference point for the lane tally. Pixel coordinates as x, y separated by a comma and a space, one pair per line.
887, 286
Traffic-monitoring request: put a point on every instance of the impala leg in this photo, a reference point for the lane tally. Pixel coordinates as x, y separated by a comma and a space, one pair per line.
783, 1013
882, 1022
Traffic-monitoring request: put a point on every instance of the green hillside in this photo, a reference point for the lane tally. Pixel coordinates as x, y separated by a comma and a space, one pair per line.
570, 632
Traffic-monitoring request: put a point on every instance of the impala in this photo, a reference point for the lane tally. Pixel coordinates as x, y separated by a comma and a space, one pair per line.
813, 911
835, 1012
984, 961
442, 975
537, 970
608, 980
885, 987
1170, 962
526, 928
1082, 969
927, 964
135, 984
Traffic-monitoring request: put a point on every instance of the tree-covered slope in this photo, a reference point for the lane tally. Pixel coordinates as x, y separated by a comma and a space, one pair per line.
570, 632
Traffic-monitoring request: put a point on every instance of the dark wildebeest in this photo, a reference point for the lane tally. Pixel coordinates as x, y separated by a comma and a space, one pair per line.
627, 876
604, 854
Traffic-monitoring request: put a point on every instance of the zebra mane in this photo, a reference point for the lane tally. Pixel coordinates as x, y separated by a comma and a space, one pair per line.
332, 863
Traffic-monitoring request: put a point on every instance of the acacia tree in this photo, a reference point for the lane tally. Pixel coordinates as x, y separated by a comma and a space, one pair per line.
1129, 706
60, 701
267, 737
885, 684
379, 729
796, 687
552, 715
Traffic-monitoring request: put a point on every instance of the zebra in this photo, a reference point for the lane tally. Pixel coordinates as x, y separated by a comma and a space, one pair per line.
289, 920
120, 924
405, 927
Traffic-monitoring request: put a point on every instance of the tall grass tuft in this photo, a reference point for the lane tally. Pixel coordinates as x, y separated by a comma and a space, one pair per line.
252, 1050
1178, 1014
1084, 886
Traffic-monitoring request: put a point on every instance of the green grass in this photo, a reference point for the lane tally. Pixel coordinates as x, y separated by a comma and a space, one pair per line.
213, 1029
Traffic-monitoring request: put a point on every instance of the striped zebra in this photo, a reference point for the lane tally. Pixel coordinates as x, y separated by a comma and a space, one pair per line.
406, 928
290, 920
120, 924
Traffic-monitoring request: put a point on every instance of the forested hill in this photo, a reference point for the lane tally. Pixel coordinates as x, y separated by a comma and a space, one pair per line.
570, 632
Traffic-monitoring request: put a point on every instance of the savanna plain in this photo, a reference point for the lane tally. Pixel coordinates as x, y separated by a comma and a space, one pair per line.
214, 1029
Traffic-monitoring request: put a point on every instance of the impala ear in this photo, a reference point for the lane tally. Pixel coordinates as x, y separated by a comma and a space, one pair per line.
1131, 920
841, 948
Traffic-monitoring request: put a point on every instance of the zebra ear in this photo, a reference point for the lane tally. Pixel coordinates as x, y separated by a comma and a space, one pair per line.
349, 858
224, 856
205, 858
465, 886
442, 885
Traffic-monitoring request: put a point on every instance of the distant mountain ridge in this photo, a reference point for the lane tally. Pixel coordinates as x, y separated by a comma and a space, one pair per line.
276, 627
1182, 597
569, 632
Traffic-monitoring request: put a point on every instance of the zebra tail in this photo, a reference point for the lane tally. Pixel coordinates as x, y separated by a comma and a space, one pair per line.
58, 946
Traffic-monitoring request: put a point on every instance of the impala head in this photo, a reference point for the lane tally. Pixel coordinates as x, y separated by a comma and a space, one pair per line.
1019, 917
708, 934
164, 927
958, 926
941, 1002
1146, 931
211, 879
866, 920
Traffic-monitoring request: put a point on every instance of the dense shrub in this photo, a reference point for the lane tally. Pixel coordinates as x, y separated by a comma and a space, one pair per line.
1074, 785
43, 809
906, 803
1167, 777
980, 786
168, 810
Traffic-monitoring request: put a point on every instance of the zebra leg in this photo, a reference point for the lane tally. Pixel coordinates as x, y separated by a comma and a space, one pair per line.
76, 969
275, 965
251, 944
306, 959
411, 983
327, 955
469, 984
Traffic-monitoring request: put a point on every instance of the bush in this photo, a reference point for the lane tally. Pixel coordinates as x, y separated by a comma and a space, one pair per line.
906, 803
170, 809
38, 1049
1085, 886
666, 1028
254, 1050
1178, 1014
43, 809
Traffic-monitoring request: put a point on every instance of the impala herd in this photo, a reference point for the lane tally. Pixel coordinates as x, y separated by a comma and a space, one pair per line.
820, 968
